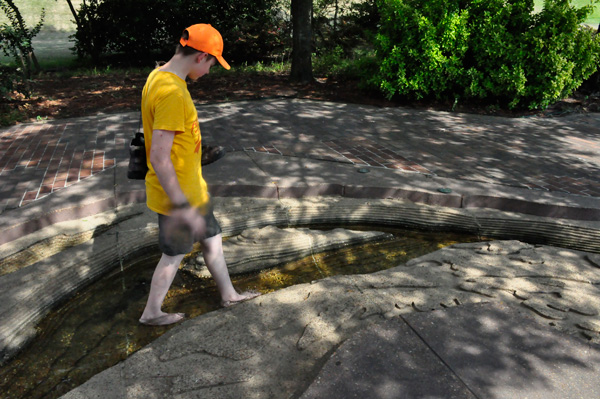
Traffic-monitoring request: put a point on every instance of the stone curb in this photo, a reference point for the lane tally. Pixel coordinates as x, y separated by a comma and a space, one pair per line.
519, 206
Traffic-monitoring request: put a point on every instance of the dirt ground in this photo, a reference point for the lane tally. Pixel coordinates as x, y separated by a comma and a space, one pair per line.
57, 97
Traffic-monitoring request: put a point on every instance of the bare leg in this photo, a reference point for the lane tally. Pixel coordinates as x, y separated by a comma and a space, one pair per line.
161, 281
212, 251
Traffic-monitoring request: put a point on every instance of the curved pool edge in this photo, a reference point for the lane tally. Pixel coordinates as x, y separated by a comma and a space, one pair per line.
29, 293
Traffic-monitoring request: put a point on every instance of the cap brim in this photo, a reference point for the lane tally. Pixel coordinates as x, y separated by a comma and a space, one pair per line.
222, 61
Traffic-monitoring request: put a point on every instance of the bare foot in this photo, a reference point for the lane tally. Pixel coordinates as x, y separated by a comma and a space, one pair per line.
163, 320
243, 297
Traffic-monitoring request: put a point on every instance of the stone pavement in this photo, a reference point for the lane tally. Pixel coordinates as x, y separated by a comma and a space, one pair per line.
287, 148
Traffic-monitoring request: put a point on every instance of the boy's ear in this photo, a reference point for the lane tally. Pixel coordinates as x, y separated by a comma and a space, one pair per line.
201, 56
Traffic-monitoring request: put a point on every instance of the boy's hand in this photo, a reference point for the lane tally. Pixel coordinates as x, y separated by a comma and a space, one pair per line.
186, 220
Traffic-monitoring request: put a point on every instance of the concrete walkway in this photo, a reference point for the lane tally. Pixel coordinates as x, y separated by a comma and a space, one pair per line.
288, 148
473, 351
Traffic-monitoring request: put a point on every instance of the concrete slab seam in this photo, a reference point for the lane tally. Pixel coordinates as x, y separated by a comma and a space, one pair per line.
437, 355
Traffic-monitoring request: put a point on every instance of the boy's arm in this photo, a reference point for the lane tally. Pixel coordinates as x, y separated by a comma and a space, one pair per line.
160, 158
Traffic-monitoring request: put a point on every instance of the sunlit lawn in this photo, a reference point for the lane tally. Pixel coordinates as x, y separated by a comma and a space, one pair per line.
58, 15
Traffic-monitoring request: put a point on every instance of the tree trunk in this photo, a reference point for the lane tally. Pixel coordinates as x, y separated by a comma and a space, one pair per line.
34, 61
301, 41
335, 18
74, 13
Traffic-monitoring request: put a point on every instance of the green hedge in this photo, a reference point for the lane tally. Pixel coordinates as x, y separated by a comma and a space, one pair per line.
496, 51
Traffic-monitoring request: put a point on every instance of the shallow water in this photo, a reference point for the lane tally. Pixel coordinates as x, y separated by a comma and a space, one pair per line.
98, 327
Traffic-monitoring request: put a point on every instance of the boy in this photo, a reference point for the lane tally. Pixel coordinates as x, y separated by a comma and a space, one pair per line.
175, 188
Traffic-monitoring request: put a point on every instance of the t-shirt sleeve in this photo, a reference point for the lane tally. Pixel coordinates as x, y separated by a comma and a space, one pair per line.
169, 113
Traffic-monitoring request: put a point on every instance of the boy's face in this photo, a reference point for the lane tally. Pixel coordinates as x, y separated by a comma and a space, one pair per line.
202, 66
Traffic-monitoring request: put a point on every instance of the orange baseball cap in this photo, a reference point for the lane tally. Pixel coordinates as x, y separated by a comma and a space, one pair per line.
205, 38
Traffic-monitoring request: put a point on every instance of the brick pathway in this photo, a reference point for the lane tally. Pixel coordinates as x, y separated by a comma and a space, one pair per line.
355, 151
559, 155
364, 152
39, 159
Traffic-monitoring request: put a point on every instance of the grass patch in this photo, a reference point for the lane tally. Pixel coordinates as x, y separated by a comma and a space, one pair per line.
593, 19
58, 14
259, 67
101, 71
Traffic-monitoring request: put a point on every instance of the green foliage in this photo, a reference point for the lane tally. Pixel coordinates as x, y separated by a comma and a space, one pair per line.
16, 36
15, 42
491, 50
142, 28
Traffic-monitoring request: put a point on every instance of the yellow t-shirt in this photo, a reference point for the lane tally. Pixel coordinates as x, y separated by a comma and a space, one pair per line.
167, 105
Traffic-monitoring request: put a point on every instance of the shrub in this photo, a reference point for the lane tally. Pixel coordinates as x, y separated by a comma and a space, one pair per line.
341, 66
140, 29
492, 50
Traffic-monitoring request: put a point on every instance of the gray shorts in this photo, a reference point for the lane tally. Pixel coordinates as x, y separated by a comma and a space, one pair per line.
181, 241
